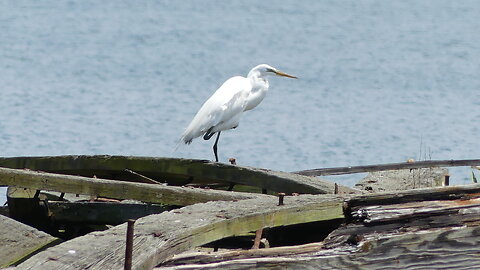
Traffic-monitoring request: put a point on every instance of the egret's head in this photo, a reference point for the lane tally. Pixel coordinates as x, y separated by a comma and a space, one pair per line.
265, 70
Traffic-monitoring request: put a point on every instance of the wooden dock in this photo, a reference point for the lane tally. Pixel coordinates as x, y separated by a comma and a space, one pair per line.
188, 217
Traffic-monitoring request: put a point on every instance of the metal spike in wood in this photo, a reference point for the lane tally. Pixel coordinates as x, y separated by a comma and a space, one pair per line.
129, 245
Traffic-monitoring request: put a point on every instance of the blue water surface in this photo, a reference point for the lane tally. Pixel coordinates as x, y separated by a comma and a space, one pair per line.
380, 81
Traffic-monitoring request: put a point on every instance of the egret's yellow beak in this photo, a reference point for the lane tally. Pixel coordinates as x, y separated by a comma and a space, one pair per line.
279, 73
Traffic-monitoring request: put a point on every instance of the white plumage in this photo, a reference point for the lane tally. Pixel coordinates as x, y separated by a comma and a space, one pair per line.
224, 109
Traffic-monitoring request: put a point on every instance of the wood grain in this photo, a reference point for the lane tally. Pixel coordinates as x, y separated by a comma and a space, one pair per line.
20, 241
158, 237
114, 189
175, 171
389, 167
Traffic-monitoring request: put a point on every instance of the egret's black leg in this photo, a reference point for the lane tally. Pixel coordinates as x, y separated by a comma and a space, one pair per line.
208, 135
215, 146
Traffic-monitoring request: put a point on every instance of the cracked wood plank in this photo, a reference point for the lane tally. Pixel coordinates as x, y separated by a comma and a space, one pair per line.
176, 171
159, 237
440, 249
151, 193
389, 167
20, 241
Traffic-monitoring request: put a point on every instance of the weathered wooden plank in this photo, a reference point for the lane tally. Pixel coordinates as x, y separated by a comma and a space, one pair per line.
402, 180
421, 194
396, 219
20, 241
219, 256
388, 167
114, 189
440, 249
391, 234
101, 212
158, 237
175, 171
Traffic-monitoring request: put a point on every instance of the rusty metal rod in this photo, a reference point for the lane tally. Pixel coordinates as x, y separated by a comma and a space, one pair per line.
129, 245
281, 195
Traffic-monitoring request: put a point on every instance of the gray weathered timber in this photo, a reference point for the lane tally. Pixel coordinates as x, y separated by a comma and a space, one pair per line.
114, 189
158, 237
175, 171
101, 212
20, 241
389, 167
421, 194
219, 256
402, 179
440, 249
386, 231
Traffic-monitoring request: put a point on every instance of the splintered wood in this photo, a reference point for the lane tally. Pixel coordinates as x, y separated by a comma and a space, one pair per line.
406, 222
158, 237
423, 228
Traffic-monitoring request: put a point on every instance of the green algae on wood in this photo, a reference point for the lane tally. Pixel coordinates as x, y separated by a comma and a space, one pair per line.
114, 189
158, 237
175, 171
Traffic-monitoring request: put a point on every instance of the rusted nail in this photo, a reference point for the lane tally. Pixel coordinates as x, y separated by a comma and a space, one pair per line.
129, 245
335, 191
62, 195
258, 238
280, 198
447, 180
37, 193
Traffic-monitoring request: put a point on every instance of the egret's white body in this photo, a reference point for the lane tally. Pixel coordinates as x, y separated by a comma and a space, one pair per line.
224, 109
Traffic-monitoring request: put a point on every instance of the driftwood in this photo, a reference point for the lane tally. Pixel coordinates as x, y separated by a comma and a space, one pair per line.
440, 249
403, 180
20, 241
400, 229
101, 212
434, 228
389, 167
216, 257
174, 171
114, 189
158, 237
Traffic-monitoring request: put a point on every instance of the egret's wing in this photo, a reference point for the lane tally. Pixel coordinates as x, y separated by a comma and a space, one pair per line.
225, 104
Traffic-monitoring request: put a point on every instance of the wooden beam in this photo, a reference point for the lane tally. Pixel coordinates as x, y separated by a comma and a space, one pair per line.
422, 194
400, 232
158, 237
219, 256
387, 167
385, 181
20, 241
114, 189
176, 171
441, 249
101, 212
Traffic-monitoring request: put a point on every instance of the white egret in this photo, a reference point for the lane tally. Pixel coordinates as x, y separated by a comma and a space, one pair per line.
223, 110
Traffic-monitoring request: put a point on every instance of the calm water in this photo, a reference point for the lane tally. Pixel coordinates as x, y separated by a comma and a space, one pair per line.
380, 81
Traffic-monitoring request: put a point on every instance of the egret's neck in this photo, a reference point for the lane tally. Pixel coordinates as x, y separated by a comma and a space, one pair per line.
258, 92
259, 82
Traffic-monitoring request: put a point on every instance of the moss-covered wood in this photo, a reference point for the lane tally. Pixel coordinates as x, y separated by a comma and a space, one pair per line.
158, 237
114, 189
174, 171
101, 212
441, 249
435, 228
